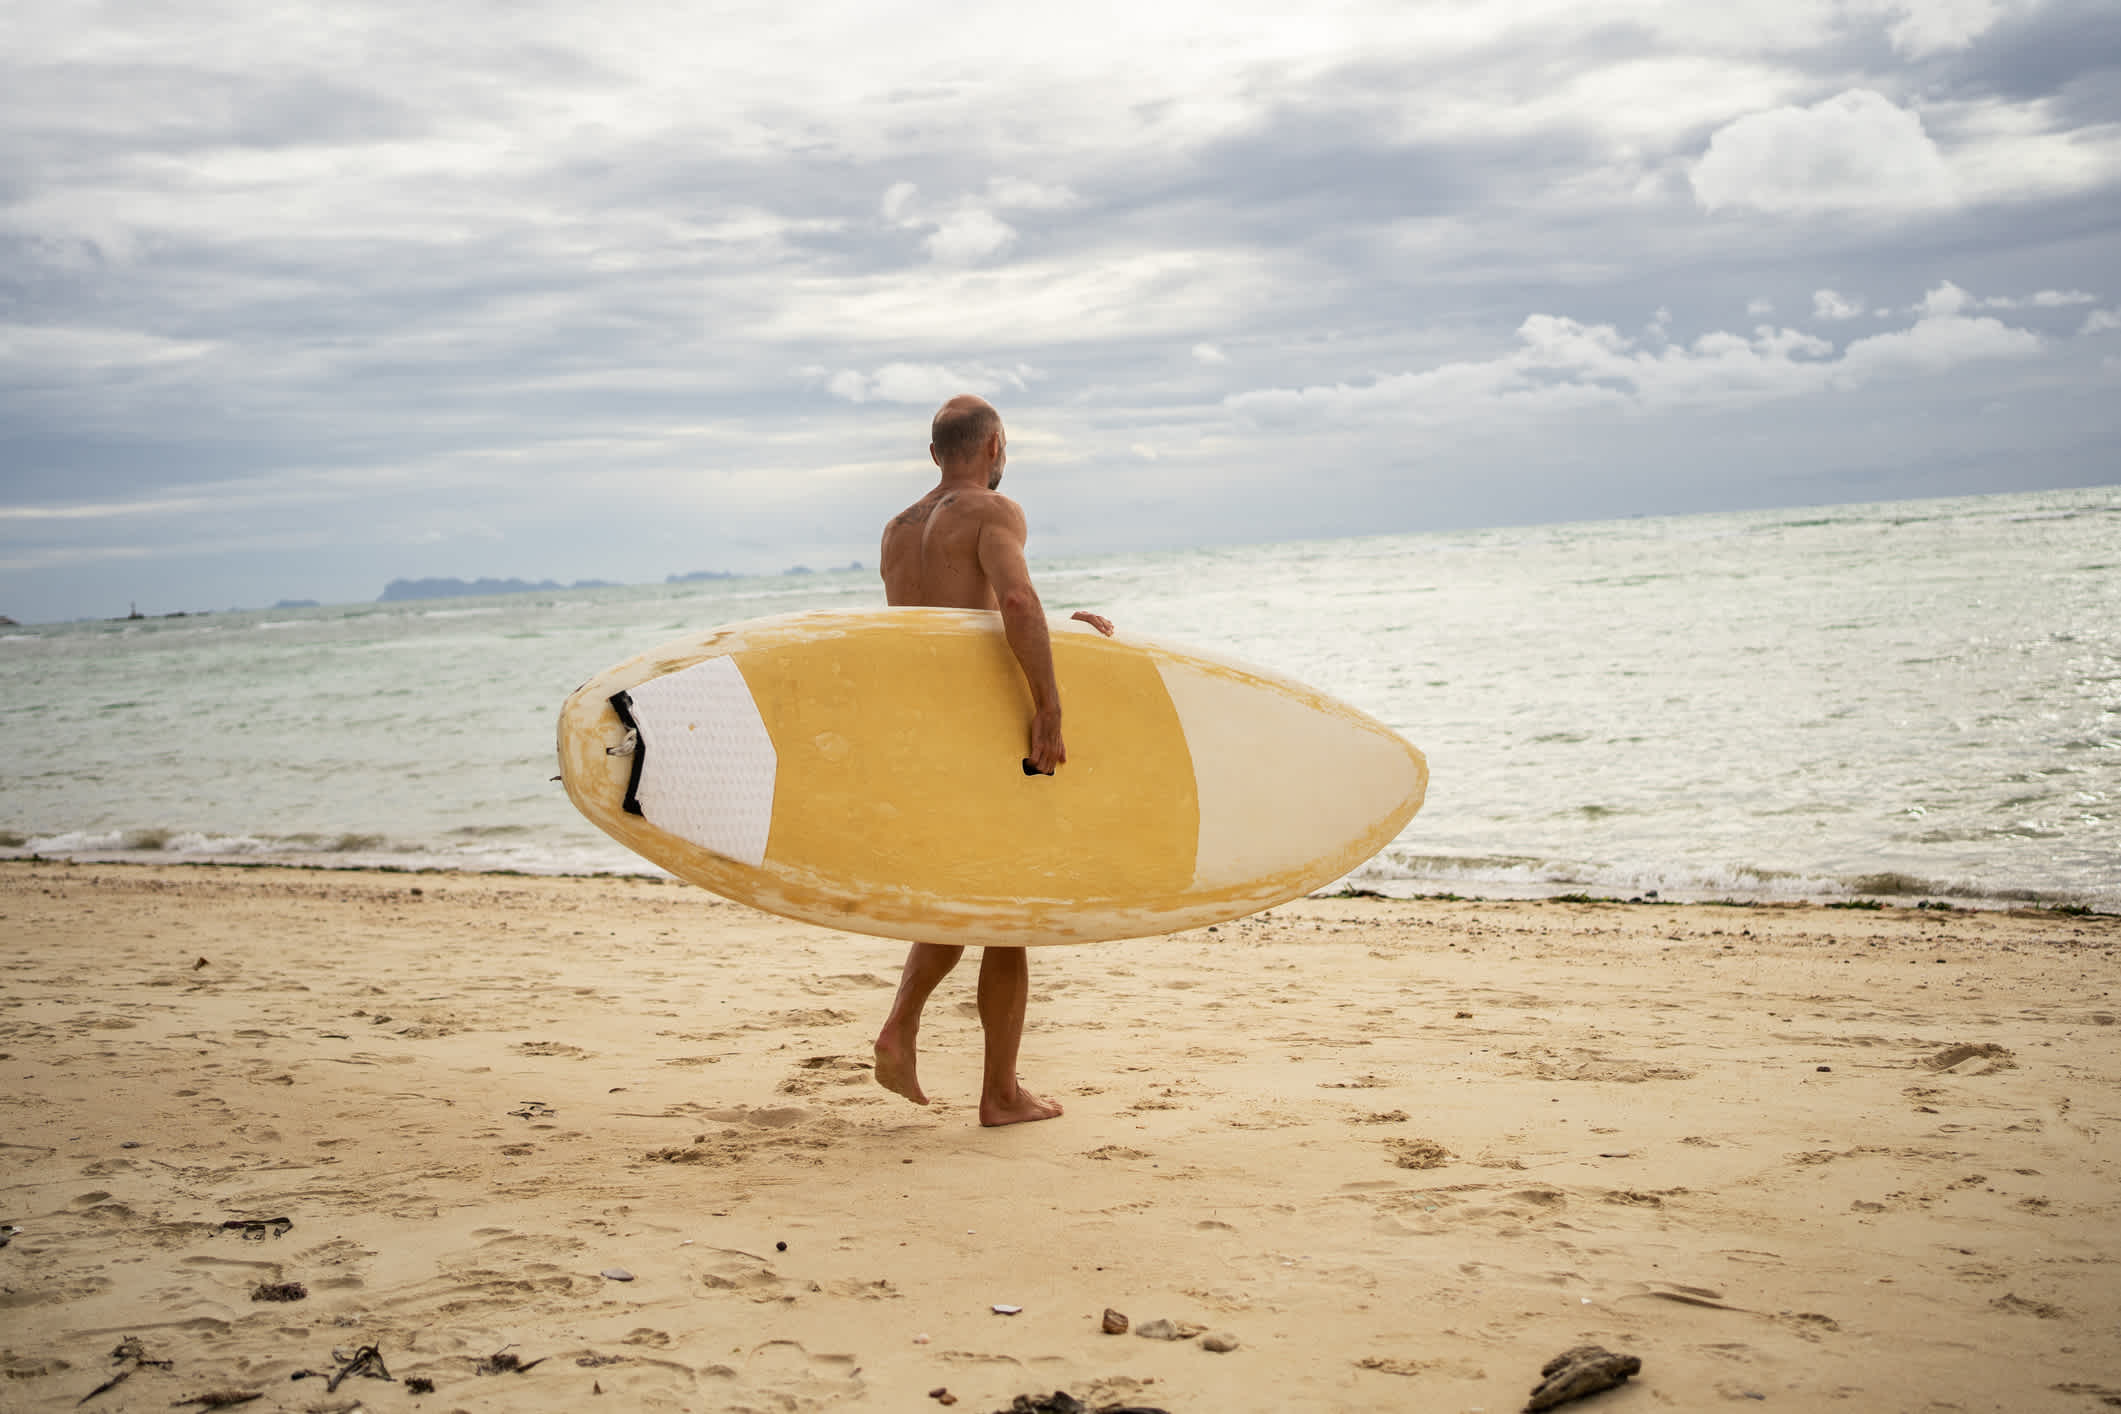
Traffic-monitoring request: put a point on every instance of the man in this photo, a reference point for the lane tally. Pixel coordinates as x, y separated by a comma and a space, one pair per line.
961, 546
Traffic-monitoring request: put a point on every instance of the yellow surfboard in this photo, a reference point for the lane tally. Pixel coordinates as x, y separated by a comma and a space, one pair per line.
864, 770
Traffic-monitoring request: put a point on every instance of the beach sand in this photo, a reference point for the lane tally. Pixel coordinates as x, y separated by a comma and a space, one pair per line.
1403, 1152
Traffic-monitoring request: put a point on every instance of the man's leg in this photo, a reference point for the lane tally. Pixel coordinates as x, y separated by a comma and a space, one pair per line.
1004, 991
927, 964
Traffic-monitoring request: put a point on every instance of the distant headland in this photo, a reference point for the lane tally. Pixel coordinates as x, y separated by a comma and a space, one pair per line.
399, 589
697, 575
402, 589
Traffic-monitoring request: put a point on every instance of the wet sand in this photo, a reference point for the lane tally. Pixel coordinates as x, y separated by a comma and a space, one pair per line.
1404, 1153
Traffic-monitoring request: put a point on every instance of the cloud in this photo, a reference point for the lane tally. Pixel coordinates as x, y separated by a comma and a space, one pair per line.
2101, 321
897, 203
2042, 299
1853, 152
970, 236
925, 384
109, 510
1019, 195
968, 232
1563, 365
1826, 304
1209, 354
1920, 29
1937, 342
46, 348
1944, 301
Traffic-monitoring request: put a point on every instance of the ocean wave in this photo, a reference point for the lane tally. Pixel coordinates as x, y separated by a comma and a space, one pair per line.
497, 852
1403, 874
1397, 873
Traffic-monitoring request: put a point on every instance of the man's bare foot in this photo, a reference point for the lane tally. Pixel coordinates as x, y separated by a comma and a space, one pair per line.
894, 1069
1019, 1109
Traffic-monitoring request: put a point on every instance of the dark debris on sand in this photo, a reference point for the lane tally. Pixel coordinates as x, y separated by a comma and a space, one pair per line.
368, 1361
1062, 1402
502, 1362
132, 1355
279, 1291
220, 1398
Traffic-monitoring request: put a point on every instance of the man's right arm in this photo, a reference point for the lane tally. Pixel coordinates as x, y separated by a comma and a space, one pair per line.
1001, 557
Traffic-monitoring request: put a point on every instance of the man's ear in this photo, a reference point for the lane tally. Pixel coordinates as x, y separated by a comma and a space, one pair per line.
934, 455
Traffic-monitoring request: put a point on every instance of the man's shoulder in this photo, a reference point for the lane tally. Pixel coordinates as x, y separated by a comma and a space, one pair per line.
993, 505
979, 506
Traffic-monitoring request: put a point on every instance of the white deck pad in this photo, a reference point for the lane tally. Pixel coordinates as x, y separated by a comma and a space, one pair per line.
707, 761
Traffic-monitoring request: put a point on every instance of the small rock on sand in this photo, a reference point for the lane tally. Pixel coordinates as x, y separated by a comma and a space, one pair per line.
1157, 1330
1115, 1322
1581, 1371
1218, 1341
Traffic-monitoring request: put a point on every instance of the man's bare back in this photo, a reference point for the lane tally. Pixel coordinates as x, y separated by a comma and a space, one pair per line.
961, 546
931, 548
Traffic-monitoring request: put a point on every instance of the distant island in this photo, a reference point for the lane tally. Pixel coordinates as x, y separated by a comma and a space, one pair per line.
400, 589
697, 575
296, 604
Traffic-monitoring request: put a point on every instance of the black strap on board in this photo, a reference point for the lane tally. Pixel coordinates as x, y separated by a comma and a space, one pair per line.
623, 705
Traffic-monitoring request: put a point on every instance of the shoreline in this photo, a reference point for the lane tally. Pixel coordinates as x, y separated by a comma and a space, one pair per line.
1404, 1152
2013, 901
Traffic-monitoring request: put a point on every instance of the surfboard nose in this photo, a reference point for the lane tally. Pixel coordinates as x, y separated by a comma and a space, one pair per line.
1282, 773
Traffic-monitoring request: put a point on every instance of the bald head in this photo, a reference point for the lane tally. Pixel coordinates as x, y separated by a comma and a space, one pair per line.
962, 428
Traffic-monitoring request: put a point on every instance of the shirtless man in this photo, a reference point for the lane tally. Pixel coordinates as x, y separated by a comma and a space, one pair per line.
961, 546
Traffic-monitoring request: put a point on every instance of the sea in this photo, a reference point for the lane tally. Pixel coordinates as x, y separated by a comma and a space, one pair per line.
1915, 701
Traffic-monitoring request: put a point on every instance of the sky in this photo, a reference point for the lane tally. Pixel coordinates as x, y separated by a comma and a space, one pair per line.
299, 299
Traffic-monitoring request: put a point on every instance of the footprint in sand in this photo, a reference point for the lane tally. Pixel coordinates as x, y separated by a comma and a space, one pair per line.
790, 1135
787, 1375
549, 1048
815, 1073
850, 982
2020, 1306
1418, 1153
1956, 1059
812, 1016
727, 1269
